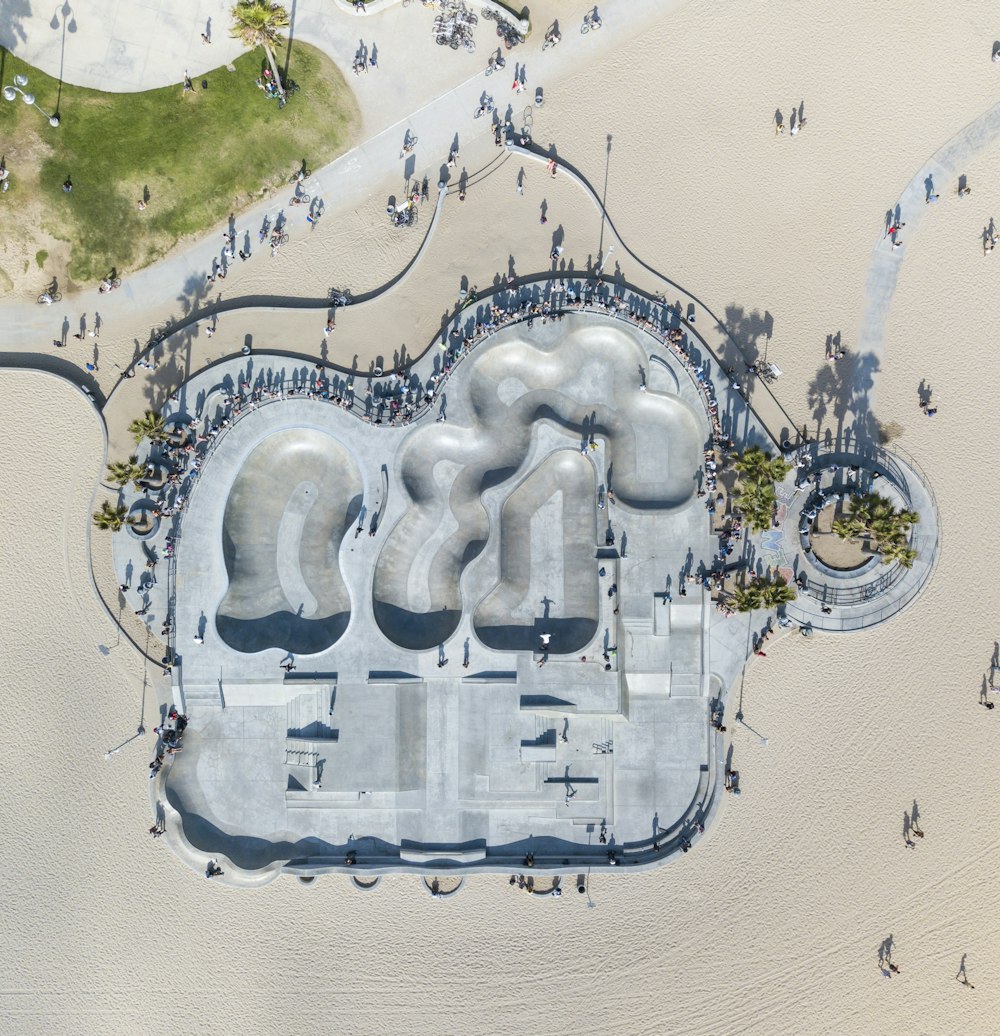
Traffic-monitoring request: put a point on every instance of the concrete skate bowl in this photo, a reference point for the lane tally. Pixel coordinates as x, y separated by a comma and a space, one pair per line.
548, 528
294, 499
580, 386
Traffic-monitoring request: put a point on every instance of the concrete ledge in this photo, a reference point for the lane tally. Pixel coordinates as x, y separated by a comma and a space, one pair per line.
433, 887
366, 884
442, 855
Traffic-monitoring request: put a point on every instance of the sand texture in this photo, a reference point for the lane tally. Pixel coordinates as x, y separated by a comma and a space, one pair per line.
773, 924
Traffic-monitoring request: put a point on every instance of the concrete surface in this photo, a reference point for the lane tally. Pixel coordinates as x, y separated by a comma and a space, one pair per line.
429, 724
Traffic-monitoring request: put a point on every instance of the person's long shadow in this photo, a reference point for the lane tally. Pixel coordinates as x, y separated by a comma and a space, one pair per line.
915, 817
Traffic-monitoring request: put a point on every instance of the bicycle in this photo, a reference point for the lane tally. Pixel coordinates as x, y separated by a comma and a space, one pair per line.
551, 39
299, 199
279, 239
340, 298
300, 175
109, 284
48, 297
591, 21
486, 106
408, 147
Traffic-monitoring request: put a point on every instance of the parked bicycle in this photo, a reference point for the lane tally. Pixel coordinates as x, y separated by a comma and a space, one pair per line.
340, 298
510, 36
453, 26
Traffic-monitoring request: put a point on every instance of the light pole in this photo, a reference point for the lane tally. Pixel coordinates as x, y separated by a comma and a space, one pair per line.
10, 93
600, 268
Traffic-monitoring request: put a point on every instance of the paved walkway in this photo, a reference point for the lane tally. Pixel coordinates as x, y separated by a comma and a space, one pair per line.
412, 90
939, 175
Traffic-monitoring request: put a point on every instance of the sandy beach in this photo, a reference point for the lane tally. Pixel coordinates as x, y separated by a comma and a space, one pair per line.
774, 923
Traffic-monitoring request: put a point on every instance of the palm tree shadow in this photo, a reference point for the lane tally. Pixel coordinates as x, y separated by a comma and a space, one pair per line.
838, 397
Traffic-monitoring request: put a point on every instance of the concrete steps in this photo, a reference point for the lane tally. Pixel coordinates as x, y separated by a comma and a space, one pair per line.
201, 695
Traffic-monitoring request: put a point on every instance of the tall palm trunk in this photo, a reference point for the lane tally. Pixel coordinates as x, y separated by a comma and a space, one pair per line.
274, 70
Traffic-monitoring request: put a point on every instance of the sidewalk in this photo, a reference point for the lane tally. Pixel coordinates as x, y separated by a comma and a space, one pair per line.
434, 98
430, 95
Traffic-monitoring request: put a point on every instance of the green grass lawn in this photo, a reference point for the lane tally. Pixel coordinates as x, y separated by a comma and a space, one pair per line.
198, 156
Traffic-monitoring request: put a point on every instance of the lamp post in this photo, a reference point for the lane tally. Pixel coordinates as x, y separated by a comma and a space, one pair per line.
10, 93
600, 269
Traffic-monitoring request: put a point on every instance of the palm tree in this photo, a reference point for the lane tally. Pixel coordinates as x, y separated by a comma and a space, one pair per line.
874, 516
898, 550
112, 516
763, 593
747, 598
149, 426
756, 498
776, 592
256, 23
757, 465
757, 502
121, 472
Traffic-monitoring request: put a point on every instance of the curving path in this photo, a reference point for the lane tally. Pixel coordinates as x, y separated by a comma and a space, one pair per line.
943, 169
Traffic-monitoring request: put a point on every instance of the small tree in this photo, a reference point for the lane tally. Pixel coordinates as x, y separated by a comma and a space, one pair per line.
757, 498
899, 551
112, 516
777, 592
757, 465
121, 472
149, 426
873, 517
757, 502
747, 598
763, 593
257, 24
